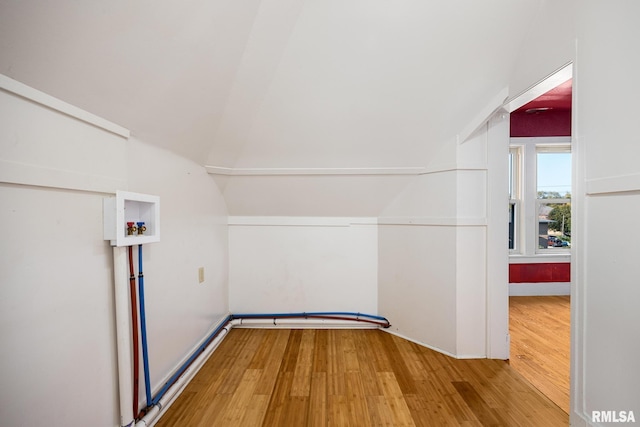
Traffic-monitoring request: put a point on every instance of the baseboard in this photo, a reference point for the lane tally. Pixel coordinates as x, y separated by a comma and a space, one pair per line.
439, 350
539, 289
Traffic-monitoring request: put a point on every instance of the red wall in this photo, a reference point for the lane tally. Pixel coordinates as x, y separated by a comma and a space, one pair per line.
540, 273
545, 123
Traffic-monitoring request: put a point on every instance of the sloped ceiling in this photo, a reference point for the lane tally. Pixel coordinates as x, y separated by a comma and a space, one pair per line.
162, 69
272, 83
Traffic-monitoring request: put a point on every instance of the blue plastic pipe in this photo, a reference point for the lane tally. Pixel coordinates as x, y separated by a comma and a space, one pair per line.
186, 364
143, 329
220, 327
329, 315
313, 314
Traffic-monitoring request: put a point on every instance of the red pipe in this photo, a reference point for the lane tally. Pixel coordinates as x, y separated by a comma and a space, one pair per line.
134, 327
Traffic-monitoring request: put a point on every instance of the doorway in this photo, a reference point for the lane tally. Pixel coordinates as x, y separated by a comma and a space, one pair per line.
540, 236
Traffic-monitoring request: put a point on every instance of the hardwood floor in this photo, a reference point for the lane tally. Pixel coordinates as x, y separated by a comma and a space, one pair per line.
540, 343
280, 377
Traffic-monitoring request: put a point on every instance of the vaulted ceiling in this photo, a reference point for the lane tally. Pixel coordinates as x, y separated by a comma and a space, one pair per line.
272, 83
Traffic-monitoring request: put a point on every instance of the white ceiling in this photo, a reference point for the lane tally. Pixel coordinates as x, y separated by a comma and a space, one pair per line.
272, 83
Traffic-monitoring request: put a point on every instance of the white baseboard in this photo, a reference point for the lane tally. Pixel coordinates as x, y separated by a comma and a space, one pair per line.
539, 289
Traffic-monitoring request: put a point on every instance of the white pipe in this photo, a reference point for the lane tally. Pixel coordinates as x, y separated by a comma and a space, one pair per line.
294, 322
123, 335
176, 389
150, 418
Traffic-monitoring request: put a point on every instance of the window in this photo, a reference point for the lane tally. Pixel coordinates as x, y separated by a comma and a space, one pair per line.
514, 196
540, 196
553, 173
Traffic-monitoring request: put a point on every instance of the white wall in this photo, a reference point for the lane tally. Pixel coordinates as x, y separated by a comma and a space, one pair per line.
417, 282
180, 310
605, 288
56, 294
312, 193
41, 145
416, 261
165, 72
471, 292
433, 253
56, 309
548, 45
289, 264
366, 84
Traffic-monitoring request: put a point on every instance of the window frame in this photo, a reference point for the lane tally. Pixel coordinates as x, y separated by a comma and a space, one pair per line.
524, 194
515, 195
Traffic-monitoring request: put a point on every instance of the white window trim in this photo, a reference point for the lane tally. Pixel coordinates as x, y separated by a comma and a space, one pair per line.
515, 196
526, 201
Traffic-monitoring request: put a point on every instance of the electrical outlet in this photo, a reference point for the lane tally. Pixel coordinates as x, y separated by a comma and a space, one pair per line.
201, 274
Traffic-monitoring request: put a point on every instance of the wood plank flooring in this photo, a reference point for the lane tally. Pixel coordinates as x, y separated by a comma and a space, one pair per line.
540, 343
281, 377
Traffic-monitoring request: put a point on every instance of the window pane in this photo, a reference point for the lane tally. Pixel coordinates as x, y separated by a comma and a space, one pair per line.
554, 175
511, 176
554, 226
512, 225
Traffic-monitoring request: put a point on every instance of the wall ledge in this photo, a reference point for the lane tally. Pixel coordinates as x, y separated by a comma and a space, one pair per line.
15, 87
393, 170
40, 176
613, 184
434, 221
288, 221
227, 171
